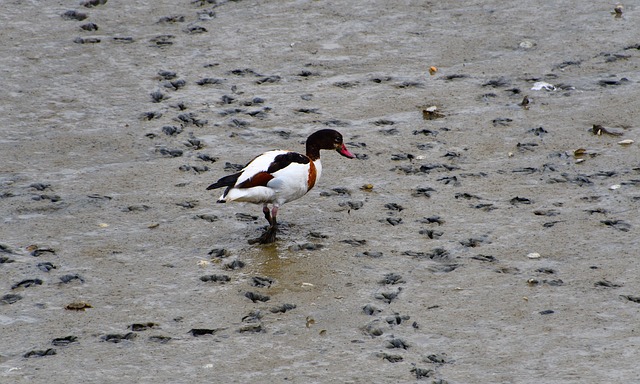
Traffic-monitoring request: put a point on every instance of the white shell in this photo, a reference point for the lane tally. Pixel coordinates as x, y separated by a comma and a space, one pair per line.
540, 85
614, 187
625, 142
533, 255
432, 108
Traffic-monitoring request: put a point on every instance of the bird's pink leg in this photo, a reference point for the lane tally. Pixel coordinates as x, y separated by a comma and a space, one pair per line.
267, 213
270, 235
274, 213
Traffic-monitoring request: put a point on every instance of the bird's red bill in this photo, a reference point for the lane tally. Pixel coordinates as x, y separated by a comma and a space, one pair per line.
345, 152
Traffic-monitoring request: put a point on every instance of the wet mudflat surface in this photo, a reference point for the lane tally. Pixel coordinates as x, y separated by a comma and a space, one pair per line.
492, 238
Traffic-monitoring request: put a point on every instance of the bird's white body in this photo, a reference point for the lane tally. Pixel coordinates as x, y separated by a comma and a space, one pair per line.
289, 183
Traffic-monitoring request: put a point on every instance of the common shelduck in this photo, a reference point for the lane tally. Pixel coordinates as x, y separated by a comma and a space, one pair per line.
277, 177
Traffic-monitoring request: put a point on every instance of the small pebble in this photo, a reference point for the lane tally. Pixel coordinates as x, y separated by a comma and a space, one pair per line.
40, 353
216, 279
533, 255
69, 278
118, 338
373, 254
547, 312
27, 283
251, 328
10, 298
78, 306
261, 282
371, 310
64, 341
160, 339
195, 332
253, 296
397, 343
283, 308
235, 264
139, 327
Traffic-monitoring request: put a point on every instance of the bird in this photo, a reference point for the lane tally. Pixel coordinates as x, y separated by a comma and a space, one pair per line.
279, 176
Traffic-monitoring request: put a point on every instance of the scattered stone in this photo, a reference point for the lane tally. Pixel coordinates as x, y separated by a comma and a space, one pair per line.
547, 312
5, 249
214, 81
93, 3
140, 327
86, 40
306, 247
431, 233
160, 339
617, 224
91, 27
78, 306
354, 242
372, 329
37, 252
394, 220
392, 279
167, 75
253, 296
74, 15
235, 264
253, 316
607, 284
422, 191
170, 152
388, 297
10, 298
251, 328
64, 341
394, 207
371, 310
396, 319
246, 217
422, 373
283, 308
118, 338
520, 200
196, 332
372, 254
216, 279
6, 260
443, 268
397, 343
440, 358
40, 353
220, 253
27, 283
390, 358
70, 278
157, 96
261, 282
497, 83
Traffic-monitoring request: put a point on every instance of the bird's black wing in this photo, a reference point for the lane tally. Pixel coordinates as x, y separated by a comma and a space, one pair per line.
282, 161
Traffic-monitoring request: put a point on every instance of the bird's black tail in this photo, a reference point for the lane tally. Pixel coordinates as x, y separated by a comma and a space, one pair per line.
228, 181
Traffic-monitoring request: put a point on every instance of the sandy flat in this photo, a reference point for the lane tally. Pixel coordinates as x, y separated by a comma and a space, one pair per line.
496, 241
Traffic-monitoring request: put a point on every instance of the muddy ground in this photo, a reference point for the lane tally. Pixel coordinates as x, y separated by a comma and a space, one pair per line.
487, 249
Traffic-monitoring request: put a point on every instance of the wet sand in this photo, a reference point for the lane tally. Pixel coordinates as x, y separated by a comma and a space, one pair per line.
487, 249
